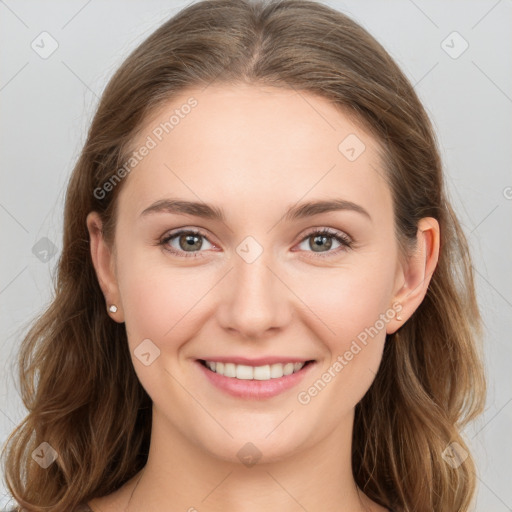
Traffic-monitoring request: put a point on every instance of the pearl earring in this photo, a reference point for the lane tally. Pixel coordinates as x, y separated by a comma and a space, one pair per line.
399, 318
112, 308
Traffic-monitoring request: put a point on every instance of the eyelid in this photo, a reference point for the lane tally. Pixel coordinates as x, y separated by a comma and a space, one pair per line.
330, 231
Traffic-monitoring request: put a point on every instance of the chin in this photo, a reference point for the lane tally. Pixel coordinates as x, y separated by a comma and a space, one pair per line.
250, 446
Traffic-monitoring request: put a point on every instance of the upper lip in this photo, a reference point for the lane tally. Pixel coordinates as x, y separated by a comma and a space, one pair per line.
259, 361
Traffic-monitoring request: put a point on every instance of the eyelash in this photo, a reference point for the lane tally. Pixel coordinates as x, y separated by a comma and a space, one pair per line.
344, 240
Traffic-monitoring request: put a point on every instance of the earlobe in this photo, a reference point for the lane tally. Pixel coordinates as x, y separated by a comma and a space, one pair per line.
418, 272
103, 262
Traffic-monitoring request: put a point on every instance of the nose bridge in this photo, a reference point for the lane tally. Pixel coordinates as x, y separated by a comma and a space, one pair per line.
256, 298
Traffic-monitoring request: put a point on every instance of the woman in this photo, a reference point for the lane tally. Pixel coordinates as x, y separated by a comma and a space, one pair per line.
208, 348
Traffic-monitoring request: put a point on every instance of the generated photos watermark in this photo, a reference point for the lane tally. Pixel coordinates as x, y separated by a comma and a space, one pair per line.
304, 397
157, 135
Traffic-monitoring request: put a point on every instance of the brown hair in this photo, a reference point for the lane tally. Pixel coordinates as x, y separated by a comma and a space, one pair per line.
77, 379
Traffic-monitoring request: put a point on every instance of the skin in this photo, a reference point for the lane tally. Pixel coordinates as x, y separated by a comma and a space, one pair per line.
254, 151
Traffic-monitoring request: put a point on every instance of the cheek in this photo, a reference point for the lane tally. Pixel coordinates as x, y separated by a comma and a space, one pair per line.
352, 333
351, 307
161, 301
348, 299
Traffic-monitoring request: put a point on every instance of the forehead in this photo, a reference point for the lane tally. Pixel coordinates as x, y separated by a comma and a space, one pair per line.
245, 142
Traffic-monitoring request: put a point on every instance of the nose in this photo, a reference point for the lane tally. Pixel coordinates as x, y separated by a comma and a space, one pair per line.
255, 298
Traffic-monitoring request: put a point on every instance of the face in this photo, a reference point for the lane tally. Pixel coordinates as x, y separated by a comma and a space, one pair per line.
263, 284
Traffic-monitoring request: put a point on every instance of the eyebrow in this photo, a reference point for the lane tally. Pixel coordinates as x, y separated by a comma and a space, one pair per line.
294, 212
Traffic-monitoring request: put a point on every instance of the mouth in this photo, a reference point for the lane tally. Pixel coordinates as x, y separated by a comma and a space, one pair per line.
249, 372
254, 382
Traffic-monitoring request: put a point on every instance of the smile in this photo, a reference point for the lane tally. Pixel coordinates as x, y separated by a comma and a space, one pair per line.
254, 382
246, 372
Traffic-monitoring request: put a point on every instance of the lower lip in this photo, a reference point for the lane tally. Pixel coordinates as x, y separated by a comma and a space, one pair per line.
255, 389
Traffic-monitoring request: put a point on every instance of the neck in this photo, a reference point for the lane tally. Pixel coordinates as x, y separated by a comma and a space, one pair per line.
179, 475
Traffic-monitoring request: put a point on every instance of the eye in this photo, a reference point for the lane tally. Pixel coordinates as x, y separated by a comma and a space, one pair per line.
188, 241
323, 241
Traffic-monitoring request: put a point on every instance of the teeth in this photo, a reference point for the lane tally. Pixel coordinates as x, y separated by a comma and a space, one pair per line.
262, 372
244, 372
229, 370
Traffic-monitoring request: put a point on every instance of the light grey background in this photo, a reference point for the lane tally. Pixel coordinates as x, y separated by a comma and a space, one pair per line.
47, 105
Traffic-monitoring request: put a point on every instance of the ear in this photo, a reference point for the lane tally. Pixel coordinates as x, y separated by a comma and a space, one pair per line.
413, 280
104, 265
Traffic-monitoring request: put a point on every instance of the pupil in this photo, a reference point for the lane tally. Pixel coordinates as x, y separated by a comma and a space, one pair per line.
191, 240
323, 242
